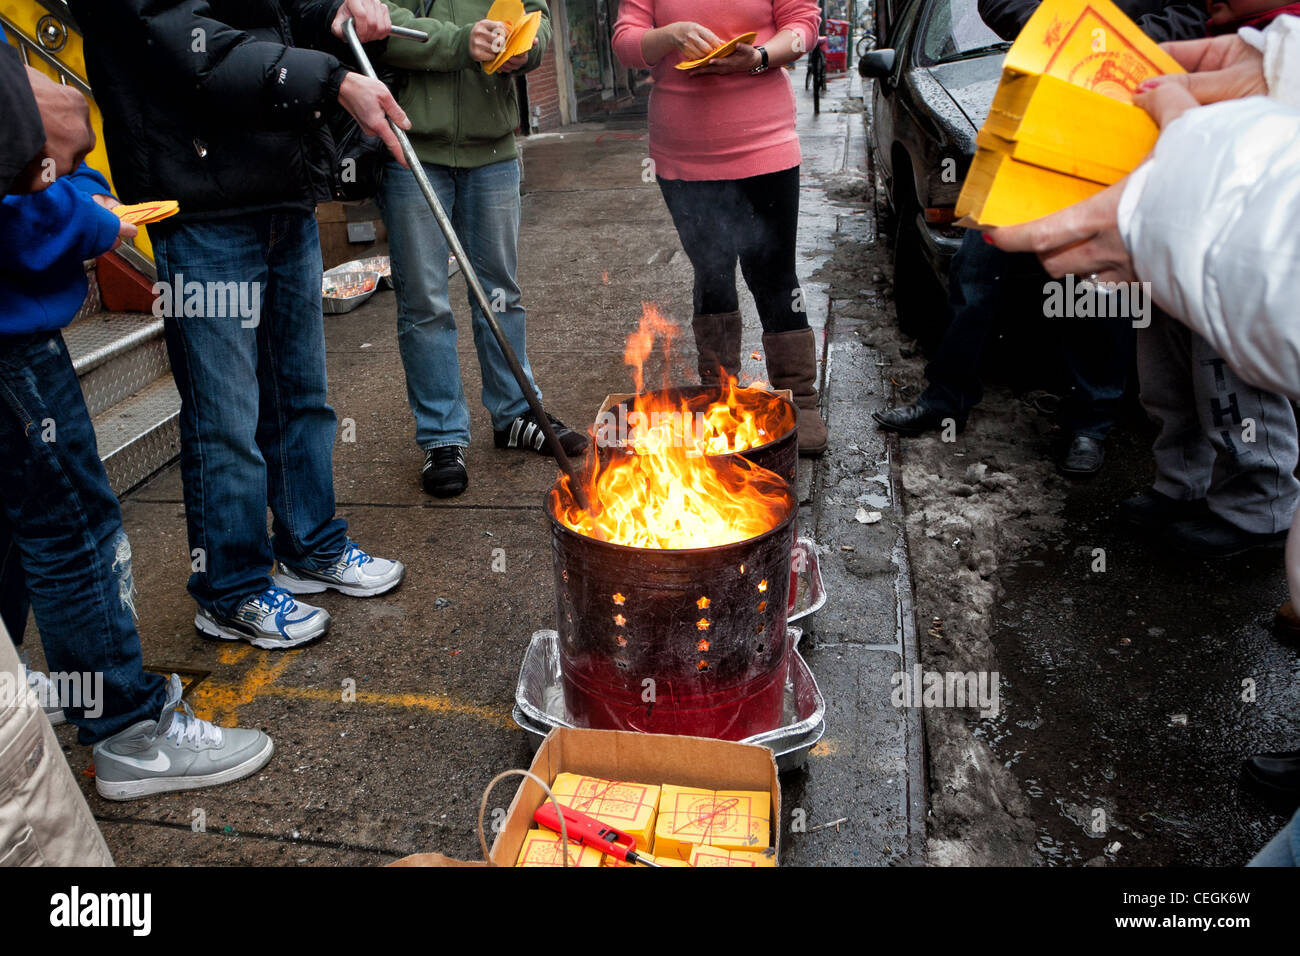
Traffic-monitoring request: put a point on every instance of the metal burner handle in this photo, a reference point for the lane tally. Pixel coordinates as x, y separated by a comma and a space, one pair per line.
471, 277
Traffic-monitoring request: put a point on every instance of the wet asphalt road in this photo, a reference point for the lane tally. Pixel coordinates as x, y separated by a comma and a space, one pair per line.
1100, 670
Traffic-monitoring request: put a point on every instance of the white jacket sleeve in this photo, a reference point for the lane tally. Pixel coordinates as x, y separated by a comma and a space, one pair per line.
1280, 44
1212, 221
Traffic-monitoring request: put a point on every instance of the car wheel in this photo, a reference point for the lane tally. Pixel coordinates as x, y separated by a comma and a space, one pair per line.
919, 300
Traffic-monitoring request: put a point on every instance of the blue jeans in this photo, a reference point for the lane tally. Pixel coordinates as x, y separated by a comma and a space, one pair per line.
256, 429
1096, 352
63, 552
483, 204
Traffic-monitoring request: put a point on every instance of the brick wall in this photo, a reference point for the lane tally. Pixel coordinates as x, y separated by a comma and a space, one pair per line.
544, 93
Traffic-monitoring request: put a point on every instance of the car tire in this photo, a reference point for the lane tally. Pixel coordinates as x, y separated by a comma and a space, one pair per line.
919, 300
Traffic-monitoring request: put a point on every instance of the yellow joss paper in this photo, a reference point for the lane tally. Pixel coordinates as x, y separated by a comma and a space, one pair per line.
1090, 43
506, 11
143, 213
522, 34
629, 807
542, 848
1062, 124
730, 819
999, 191
716, 856
1068, 128
1035, 154
744, 820
661, 860
718, 52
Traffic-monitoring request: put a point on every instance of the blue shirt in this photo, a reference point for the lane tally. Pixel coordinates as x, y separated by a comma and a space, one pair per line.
44, 239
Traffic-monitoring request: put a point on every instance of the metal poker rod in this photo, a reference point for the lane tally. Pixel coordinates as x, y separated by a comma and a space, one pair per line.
467, 269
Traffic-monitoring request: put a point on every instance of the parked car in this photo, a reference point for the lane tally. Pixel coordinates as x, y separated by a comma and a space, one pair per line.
935, 68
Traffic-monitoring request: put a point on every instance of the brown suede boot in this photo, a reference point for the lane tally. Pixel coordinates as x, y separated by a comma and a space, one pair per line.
792, 364
717, 340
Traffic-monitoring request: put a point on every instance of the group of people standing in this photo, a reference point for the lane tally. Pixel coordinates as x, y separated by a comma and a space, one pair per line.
220, 105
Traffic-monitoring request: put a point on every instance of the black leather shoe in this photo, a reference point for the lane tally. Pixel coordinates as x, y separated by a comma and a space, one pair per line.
914, 419
1274, 774
1209, 536
1152, 509
1084, 457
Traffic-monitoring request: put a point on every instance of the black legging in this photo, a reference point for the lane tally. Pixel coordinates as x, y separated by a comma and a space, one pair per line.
752, 219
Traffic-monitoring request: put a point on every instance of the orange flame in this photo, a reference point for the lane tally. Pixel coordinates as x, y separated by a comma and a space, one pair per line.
668, 493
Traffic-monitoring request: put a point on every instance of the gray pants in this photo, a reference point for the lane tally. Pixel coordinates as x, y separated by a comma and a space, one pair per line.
1206, 415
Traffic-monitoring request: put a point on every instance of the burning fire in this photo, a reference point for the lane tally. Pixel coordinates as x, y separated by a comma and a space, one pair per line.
667, 494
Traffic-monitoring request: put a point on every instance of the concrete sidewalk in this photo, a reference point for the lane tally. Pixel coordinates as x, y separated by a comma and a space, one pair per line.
402, 768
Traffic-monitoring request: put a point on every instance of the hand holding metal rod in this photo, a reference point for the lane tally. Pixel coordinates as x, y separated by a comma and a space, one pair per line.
467, 269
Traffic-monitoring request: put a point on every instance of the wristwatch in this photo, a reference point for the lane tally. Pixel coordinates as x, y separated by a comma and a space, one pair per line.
762, 67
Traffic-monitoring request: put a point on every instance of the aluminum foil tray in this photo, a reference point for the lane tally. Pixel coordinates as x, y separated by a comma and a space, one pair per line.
539, 702
338, 305
807, 591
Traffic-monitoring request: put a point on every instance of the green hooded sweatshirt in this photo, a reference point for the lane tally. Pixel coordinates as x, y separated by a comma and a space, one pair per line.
460, 116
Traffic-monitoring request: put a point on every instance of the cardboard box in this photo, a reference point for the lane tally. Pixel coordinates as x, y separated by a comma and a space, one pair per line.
630, 807
621, 755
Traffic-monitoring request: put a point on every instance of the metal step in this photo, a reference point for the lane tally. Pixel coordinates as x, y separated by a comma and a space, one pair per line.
116, 355
140, 435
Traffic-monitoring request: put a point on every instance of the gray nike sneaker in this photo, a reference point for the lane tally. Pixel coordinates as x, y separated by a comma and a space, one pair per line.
355, 574
272, 620
176, 752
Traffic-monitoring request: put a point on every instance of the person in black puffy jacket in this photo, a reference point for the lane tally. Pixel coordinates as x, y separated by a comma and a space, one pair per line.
1161, 20
213, 103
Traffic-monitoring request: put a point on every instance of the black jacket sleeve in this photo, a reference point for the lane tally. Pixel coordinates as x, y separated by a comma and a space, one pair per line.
1006, 17
1174, 21
1161, 20
19, 117
267, 82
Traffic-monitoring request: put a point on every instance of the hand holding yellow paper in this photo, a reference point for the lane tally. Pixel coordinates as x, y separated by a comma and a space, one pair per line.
1062, 125
717, 53
523, 31
141, 214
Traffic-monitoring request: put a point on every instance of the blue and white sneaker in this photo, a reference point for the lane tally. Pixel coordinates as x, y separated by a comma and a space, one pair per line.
272, 620
355, 574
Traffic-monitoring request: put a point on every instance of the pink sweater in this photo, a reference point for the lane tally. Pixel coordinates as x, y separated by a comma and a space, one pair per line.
718, 127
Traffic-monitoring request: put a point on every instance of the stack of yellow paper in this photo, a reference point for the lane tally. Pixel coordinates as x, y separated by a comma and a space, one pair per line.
542, 848
1062, 125
716, 856
727, 819
629, 807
